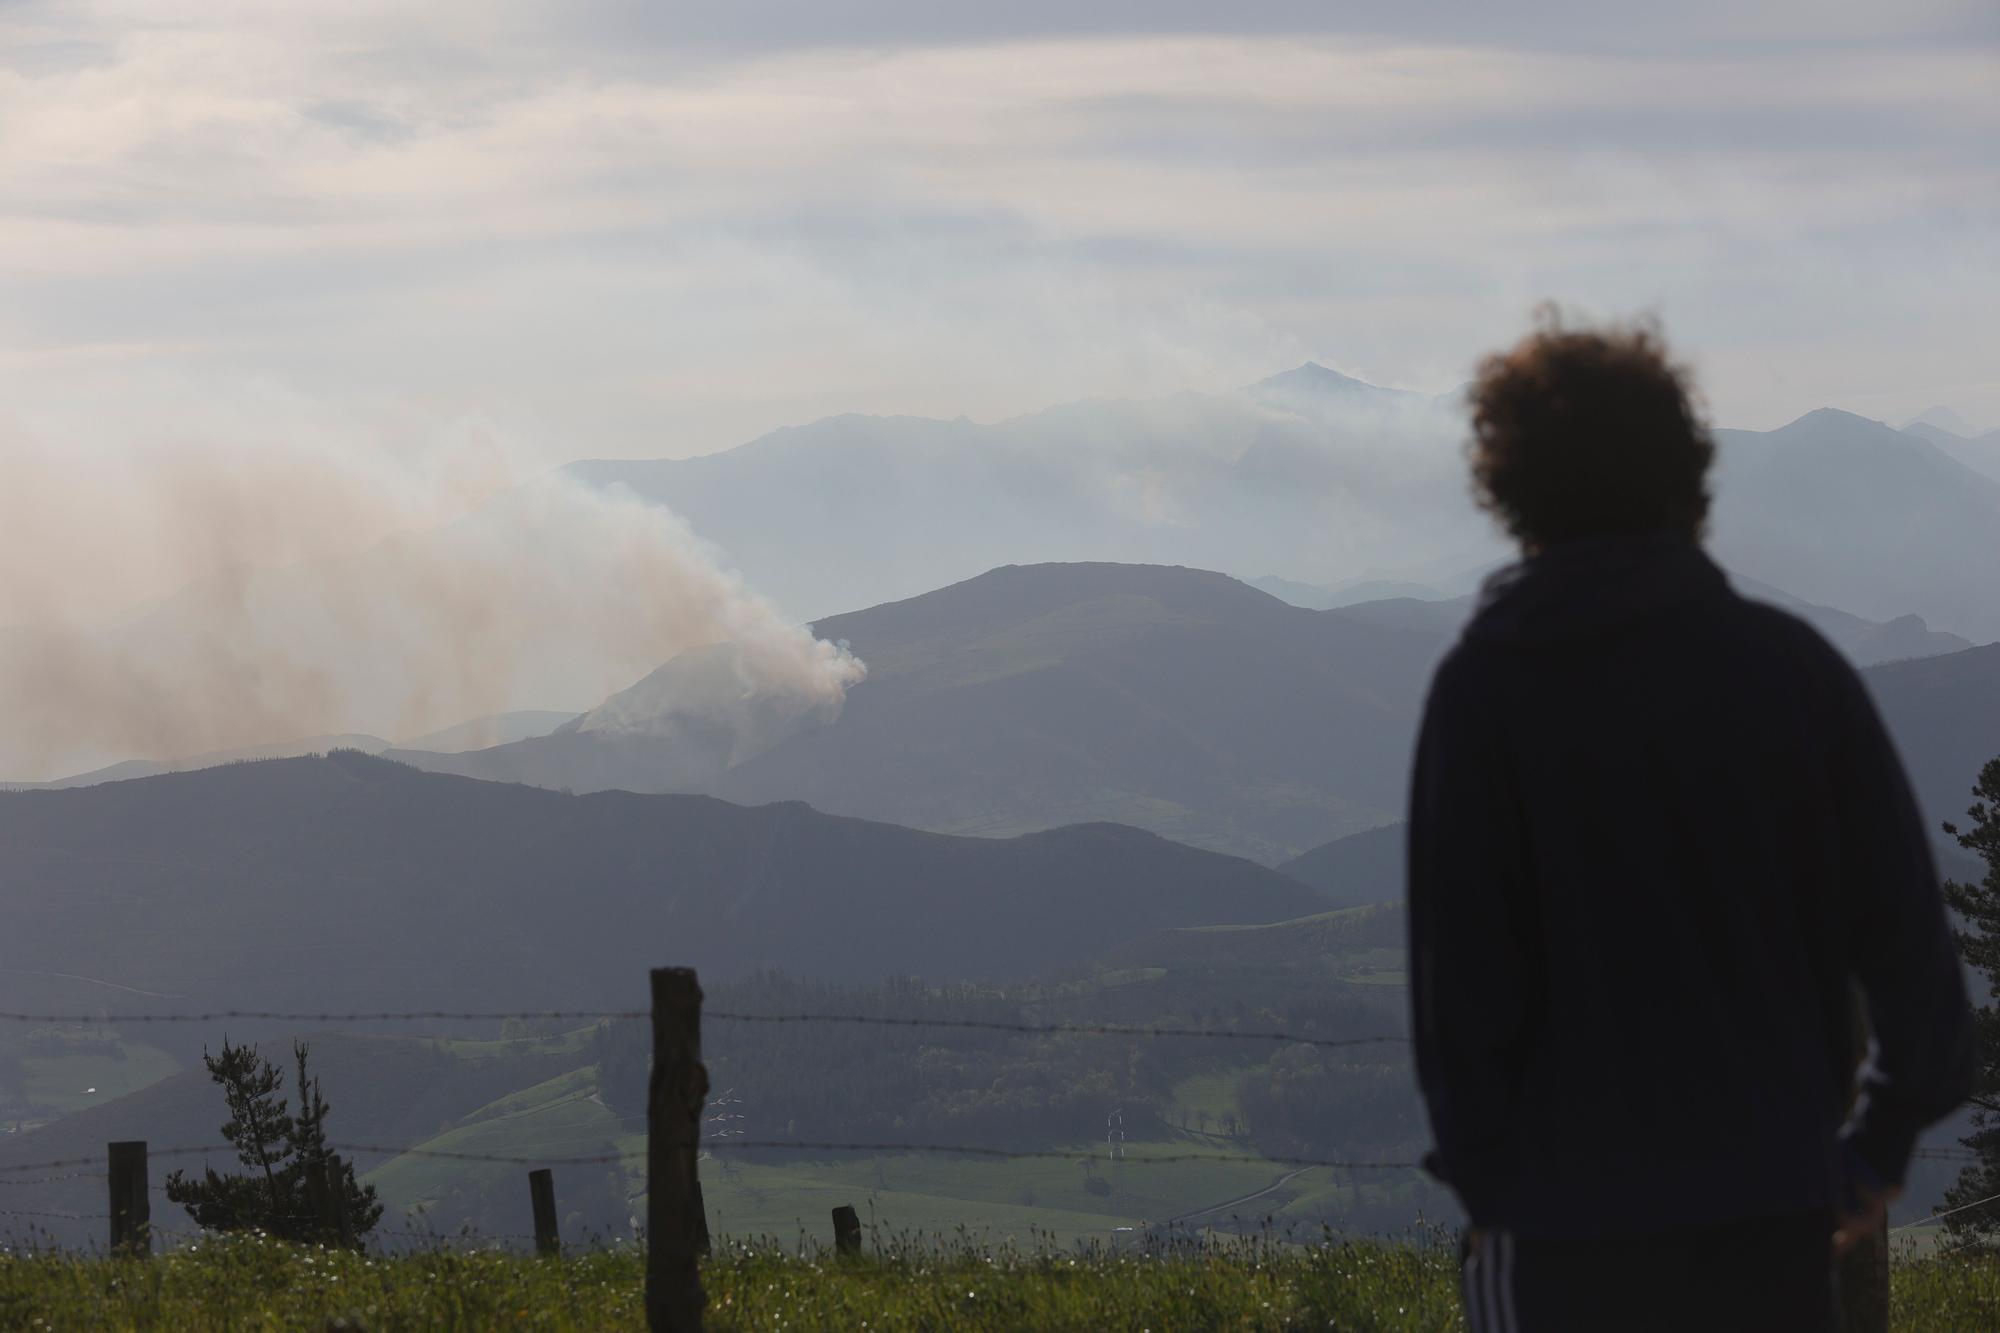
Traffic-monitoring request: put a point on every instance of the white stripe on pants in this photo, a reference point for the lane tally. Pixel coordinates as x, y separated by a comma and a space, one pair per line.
1488, 1283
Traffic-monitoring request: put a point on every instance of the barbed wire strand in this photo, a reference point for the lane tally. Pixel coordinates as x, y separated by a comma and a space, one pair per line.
151, 1153
67, 1217
283, 1016
783, 1145
1053, 1029
1964, 1207
725, 1016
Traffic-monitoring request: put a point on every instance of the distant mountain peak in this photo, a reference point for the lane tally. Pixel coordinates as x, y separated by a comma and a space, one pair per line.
1824, 419
1313, 390
1312, 377
1945, 419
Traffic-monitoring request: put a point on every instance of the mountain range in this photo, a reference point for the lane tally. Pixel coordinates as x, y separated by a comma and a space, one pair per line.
1420, 607
351, 881
476, 734
1310, 471
1978, 450
1177, 700
1944, 713
1843, 511
1310, 480
1310, 477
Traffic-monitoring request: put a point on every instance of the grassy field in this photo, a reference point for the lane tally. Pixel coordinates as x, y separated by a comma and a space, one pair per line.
52, 1071
253, 1284
92, 1075
1054, 1198
560, 1117
992, 1201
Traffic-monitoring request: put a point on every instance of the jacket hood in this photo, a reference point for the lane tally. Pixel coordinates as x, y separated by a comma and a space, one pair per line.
1593, 586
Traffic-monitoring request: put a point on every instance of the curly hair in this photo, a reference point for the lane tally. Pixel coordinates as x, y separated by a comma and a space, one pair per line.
1580, 432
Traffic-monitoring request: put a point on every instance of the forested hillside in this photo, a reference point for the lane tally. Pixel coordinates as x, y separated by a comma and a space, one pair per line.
321, 883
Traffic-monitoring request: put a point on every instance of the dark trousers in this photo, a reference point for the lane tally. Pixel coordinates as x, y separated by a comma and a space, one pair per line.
1761, 1274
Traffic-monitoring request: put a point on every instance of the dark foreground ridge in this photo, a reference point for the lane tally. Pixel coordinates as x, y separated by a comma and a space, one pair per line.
251, 885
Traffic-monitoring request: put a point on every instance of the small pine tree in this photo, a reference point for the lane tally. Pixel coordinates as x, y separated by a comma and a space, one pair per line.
1979, 944
281, 1150
308, 1152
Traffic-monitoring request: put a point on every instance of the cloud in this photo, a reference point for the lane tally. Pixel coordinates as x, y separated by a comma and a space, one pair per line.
395, 258
285, 234
643, 242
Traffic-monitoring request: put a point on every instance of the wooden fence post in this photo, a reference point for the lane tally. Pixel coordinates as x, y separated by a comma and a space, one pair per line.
846, 1230
131, 1203
542, 1197
676, 1223
319, 1197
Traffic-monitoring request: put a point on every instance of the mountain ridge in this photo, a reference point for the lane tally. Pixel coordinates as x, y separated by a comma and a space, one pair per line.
1279, 475
425, 890
1175, 699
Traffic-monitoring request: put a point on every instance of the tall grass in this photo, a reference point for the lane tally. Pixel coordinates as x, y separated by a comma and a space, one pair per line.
253, 1283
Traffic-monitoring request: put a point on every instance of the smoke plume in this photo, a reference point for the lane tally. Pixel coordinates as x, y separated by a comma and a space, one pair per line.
324, 594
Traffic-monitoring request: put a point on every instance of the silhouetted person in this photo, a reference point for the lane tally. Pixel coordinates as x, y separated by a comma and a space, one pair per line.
1657, 837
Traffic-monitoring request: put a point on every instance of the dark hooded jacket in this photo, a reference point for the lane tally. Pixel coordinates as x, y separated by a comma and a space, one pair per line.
1657, 837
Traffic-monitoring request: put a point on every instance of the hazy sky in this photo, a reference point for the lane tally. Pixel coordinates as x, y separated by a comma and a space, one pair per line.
491, 236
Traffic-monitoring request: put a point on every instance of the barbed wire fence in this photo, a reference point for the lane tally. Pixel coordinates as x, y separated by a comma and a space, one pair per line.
712, 1015
685, 1144
681, 1146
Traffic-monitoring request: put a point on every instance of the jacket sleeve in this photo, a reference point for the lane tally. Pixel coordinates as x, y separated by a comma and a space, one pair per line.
1470, 969
1899, 949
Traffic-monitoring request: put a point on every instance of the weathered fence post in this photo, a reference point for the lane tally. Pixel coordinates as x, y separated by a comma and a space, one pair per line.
131, 1203
846, 1230
336, 1188
542, 1196
676, 1224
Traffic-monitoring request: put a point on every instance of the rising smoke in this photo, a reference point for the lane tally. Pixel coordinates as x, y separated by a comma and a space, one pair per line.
325, 594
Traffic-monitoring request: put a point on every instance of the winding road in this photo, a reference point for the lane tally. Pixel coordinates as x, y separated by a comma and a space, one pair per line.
1275, 1185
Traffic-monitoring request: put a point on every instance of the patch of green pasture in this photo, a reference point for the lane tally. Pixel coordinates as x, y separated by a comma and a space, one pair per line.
1322, 1192
554, 1119
514, 1048
786, 1206
63, 1082
933, 1194
563, 1087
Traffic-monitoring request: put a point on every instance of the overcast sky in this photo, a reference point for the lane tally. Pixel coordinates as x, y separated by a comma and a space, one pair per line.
517, 233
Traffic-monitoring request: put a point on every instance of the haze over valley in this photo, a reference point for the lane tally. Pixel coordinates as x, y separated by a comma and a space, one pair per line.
1089, 760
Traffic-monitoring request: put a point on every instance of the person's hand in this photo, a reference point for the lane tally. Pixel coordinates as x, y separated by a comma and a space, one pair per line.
1865, 1219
